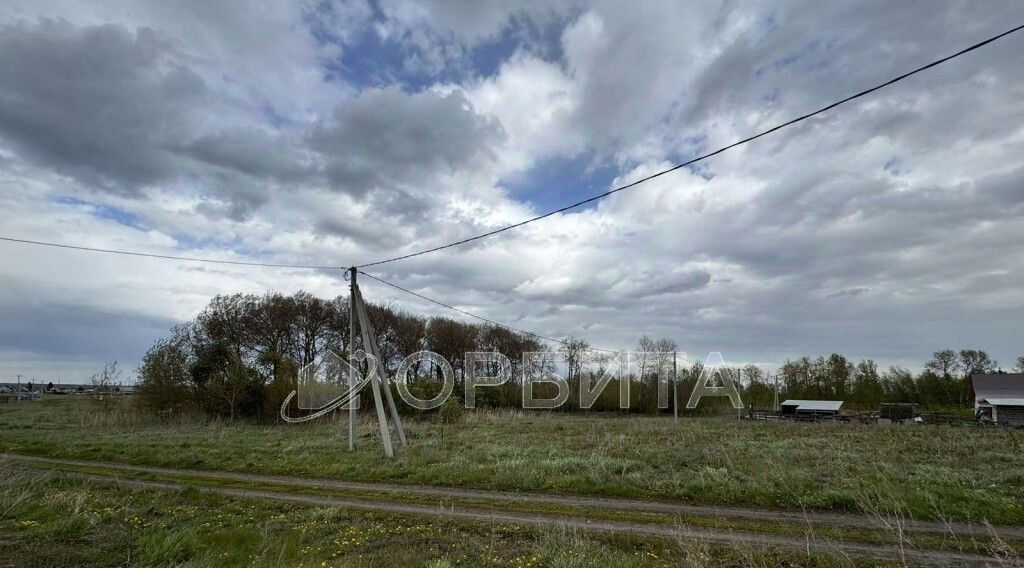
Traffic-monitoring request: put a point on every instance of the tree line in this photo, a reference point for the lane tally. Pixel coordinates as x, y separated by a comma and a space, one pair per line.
945, 381
240, 357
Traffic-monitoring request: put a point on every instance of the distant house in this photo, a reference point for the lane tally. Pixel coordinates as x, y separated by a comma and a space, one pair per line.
810, 409
999, 397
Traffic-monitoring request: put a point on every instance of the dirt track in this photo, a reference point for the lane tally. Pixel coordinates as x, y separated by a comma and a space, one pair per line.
890, 552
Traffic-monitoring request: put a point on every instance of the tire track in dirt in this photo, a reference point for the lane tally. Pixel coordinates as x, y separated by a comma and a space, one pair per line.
678, 531
728, 537
609, 503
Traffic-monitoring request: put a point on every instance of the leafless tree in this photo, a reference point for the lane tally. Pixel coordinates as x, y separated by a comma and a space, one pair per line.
313, 319
105, 387
645, 349
665, 350
574, 351
232, 387
451, 339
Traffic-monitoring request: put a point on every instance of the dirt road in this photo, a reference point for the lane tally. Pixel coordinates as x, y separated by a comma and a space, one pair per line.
493, 513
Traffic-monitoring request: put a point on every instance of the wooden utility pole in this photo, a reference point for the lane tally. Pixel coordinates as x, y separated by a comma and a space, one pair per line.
351, 356
776, 405
675, 389
739, 385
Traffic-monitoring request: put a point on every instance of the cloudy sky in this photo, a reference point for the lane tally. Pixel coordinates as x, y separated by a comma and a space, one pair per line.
341, 133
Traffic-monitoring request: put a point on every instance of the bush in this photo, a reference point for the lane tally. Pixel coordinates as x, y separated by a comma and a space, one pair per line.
452, 411
164, 379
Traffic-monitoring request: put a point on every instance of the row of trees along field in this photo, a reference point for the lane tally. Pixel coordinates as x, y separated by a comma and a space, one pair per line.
240, 357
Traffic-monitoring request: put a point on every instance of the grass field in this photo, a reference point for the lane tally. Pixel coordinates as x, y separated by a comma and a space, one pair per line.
58, 522
925, 472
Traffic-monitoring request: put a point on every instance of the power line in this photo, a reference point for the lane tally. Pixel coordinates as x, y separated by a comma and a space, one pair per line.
702, 157
472, 315
550, 213
167, 256
298, 266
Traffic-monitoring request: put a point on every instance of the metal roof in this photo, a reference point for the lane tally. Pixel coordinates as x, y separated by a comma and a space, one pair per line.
814, 404
998, 385
1004, 401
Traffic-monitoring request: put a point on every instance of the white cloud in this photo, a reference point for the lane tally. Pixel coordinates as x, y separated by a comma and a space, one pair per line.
887, 228
536, 102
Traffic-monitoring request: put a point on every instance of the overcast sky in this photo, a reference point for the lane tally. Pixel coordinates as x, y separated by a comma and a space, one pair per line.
341, 133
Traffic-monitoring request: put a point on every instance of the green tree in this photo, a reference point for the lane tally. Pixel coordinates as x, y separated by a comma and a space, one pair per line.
944, 363
164, 378
867, 385
973, 361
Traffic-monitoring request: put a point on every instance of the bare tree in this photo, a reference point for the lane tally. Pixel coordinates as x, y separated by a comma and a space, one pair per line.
451, 339
105, 386
508, 343
312, 324
645, 349
753, 375
1020, 364
574, 350
664, 348
232, 387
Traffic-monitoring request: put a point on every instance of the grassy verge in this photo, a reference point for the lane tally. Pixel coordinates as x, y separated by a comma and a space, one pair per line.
948, 539
925, 472
52, 521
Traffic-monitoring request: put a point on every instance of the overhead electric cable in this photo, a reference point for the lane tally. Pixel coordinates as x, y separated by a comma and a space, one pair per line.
550, 213
701, 157
472, 315
168, 256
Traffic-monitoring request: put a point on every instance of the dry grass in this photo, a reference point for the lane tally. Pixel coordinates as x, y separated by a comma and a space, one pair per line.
51, 521
923, 473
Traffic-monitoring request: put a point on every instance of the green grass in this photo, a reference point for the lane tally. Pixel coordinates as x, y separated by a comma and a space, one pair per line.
944, 539
54, 521
930, 472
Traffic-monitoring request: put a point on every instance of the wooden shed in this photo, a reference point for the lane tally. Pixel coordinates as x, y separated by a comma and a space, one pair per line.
897, 411
999, 398
1007, 411
810, 409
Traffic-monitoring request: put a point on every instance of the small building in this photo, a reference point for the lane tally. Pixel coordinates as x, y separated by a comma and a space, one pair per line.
810, 409
999, 398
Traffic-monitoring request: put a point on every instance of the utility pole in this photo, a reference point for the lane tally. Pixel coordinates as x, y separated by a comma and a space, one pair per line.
739, 385
367, 335
18, 388
375, 375
385, 383
675, 389
351, 354
776, 405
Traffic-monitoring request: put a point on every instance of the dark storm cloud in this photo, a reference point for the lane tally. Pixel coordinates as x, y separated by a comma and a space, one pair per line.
64, 330
389, 138
120, 109
96, 103
252, 152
